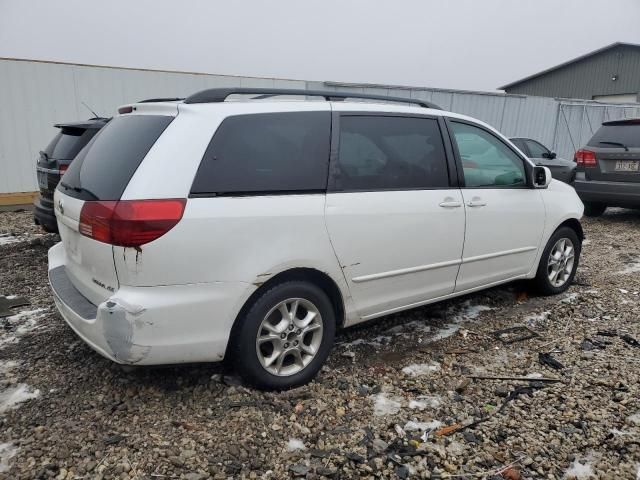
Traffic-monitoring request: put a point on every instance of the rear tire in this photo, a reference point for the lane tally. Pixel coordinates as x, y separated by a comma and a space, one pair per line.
559, 262
594, 209
284, 337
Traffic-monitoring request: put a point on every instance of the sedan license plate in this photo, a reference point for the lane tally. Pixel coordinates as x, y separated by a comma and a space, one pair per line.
43, 181
628, 166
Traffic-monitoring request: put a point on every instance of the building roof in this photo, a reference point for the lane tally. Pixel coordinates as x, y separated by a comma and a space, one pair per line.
569, 62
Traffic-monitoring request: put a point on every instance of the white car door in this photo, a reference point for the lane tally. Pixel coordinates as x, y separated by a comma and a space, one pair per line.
396, 225
505, 216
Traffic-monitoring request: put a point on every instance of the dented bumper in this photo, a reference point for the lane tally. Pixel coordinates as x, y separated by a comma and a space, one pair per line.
151, 325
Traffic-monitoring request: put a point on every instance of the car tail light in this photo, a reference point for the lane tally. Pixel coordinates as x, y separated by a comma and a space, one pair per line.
63, 168
130, 223
585, 158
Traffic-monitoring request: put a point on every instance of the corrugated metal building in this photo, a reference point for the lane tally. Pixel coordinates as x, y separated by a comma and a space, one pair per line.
34, 95
610, 74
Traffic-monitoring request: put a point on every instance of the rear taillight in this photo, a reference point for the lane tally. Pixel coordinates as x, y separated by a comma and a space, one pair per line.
585, 158
130, 223
63, 168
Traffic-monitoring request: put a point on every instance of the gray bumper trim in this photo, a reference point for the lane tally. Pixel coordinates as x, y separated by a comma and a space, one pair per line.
70, 295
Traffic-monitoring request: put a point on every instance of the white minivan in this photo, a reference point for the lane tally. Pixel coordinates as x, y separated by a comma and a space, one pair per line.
233, 225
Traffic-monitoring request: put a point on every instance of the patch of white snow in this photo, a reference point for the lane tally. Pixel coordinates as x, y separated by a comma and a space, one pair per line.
7, 452
578, 470
384, 404
12, 396
295, 444
419, 369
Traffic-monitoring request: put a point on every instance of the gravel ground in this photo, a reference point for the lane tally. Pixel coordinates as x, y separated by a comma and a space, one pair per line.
394, 400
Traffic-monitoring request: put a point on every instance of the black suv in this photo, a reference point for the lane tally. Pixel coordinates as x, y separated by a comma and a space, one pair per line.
54, 161
608, 168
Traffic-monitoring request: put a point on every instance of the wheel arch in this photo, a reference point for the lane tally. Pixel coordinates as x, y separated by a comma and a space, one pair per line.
575, 225
311, 275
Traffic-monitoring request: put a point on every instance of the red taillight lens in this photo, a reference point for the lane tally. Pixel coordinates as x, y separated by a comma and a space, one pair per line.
585, 158
130, 223
63, 168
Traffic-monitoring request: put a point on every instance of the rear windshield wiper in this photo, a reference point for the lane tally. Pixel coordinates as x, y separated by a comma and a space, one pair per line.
618, 144
80, 190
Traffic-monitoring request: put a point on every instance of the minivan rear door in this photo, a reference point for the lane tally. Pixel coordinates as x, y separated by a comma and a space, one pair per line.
100, 173
395, 220
617, 148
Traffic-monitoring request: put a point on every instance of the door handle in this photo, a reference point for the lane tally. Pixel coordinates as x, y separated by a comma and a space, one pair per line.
450, 204
476, 202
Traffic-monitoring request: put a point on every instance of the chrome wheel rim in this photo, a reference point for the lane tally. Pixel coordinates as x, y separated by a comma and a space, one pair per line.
560, 263
289, 337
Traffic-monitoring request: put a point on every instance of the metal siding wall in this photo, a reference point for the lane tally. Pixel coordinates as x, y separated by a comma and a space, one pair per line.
588, 77
36, 95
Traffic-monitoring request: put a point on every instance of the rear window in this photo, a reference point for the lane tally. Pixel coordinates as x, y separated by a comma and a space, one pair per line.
68, 142
103, 169
628, 135
267, 153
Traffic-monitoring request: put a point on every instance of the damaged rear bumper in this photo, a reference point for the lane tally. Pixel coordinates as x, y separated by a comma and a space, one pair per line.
151, 325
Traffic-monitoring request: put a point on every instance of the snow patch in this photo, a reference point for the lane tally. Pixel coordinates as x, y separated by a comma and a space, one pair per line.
419, 369
537, 318
412, 426
386, 405
634, 419
534, 375
570, 298
7, 365
6, 239
11, 397
7, 452
470, 312
295, 444
578, 470
23, 322
423, 402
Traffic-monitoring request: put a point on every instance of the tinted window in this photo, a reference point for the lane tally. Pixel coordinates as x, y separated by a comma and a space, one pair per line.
102, 170
536, 150
378, 153
518, 142
628, 135
68, 142
269, 152
486, 160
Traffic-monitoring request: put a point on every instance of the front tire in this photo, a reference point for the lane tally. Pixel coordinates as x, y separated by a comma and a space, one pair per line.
559, 262
594, 209
285, 336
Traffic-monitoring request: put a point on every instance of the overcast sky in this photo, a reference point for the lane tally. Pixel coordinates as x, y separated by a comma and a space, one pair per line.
462, 44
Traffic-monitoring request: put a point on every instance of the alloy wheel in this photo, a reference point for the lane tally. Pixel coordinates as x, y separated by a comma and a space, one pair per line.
289, 337
560, 263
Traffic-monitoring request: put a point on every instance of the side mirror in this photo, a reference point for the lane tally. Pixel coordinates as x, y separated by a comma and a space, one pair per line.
541, 177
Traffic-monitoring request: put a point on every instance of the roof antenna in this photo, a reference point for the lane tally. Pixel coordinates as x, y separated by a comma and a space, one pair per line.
95, 115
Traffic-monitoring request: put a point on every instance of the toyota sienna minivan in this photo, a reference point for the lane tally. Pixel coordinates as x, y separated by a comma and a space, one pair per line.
250, 230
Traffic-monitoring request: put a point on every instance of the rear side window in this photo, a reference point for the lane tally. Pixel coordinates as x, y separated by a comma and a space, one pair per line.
267, 153
628, 135
390, 153
68, 142
102, 170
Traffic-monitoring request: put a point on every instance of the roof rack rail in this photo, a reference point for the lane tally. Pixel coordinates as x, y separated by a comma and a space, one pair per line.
154, 100
216, 95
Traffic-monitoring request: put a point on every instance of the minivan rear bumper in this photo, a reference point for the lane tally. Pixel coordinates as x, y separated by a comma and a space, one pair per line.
615, 194
43, 214
150, 325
